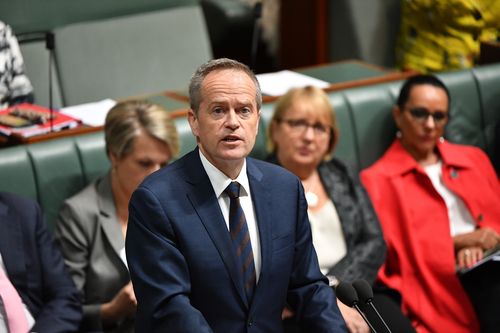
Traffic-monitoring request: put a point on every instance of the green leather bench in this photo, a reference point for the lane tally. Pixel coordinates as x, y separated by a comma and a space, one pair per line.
54, 170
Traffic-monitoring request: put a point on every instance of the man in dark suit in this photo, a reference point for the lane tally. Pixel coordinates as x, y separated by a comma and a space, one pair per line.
36, 268
207, 257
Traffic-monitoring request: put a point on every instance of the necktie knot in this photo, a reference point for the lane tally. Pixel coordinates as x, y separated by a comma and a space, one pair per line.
233, 190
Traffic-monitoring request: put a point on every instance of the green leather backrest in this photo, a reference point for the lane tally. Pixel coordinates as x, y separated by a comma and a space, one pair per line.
92, 153
131, 56
465, 125
16, 172
58, 174
374, 128
36, 15
36, 61
488, 81
346, 145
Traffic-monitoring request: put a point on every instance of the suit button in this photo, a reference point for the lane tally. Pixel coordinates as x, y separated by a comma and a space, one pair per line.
250, 322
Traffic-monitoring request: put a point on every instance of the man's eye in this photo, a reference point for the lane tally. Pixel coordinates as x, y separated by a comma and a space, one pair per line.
218, 110
145, 164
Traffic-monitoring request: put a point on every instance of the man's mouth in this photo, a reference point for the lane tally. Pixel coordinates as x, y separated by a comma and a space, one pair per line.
231, 138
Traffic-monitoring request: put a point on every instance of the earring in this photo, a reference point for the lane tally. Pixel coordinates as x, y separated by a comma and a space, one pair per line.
441, 139
399, 135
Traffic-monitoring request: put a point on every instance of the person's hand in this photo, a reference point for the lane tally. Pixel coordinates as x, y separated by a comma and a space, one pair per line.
355, 323
287, 313
484, 238
123, 305
469, 256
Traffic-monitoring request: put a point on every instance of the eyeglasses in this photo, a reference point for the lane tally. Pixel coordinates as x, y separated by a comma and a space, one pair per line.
422, 114
299, 126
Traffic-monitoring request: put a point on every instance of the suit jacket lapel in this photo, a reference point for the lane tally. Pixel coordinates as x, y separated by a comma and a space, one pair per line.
261, 198
12, 247
202, 197
107, 216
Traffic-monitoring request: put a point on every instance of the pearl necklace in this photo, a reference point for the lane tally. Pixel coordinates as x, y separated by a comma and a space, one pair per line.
312, 199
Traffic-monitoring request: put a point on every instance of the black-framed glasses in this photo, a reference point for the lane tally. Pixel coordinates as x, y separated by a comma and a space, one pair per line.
422, 114
301, 125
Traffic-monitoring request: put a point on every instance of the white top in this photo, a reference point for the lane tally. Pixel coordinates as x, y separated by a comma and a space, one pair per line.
219, 183
461, 220
3, 323
328, 237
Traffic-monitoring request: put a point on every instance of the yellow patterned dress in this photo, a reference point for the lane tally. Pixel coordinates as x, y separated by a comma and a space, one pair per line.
438, 35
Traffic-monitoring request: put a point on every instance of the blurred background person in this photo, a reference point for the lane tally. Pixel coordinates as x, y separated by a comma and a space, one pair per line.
15, 87
36, 290
445, 34
438, 206
91, 227
346, 233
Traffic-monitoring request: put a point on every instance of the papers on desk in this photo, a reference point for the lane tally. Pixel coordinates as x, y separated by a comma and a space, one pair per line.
91, 114
278, 83
26, 120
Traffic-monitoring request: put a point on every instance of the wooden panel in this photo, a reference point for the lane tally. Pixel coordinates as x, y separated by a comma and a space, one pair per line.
303, 33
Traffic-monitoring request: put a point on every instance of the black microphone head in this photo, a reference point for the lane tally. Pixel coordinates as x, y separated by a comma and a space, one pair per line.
347, 294
364, 290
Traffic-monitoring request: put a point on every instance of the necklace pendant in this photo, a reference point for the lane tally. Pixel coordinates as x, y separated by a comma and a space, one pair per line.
312, 199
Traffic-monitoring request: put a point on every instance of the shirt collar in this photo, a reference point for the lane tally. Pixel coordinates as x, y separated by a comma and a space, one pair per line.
220, 181
399, 161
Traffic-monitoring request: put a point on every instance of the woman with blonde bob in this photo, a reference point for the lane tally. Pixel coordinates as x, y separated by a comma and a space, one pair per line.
140, 138
345, 229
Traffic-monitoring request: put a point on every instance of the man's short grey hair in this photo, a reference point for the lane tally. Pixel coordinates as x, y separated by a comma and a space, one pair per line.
201, 73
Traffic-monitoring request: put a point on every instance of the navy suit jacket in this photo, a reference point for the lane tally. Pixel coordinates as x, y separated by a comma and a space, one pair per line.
36, 268
184, 269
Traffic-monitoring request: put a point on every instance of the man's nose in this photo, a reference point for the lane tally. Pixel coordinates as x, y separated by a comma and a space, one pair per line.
232, 118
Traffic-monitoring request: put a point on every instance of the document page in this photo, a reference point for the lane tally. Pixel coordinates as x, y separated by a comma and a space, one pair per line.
278, 83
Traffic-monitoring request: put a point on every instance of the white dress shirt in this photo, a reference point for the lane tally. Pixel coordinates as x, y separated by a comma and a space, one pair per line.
219, 183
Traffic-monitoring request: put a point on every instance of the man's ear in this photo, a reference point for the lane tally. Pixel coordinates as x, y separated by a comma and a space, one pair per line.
113, 159
193, 122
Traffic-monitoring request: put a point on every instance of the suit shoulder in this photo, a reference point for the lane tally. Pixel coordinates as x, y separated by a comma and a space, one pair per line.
17, 202
271, 168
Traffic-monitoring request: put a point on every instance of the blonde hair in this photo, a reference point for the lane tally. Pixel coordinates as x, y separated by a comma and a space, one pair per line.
316, 97
125, 121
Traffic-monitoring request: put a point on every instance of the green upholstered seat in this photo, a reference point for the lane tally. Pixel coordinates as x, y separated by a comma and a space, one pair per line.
36, 61
58, 174
16, 172
374, 128
346, 145
92, 153
465, 123
488, 81
131, 55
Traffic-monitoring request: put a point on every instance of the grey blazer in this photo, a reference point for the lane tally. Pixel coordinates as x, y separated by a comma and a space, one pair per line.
90, 237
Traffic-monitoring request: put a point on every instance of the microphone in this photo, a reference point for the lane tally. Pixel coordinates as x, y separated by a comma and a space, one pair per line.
348, 295
257, 12
365, 293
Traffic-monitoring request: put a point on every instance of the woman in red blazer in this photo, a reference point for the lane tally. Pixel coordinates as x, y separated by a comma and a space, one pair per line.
438, 204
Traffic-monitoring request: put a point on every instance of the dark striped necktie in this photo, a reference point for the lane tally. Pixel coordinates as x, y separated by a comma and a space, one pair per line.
241, 239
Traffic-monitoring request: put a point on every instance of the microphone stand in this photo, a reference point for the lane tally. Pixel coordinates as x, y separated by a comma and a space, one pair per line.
355, 305
379, 316
50, 45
